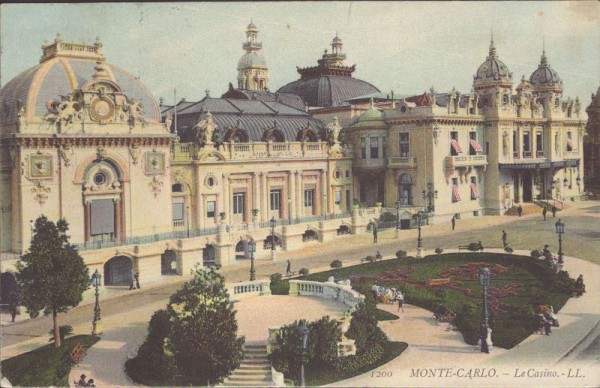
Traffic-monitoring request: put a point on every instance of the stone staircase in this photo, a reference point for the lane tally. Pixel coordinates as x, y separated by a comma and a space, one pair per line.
528, 208
254, 371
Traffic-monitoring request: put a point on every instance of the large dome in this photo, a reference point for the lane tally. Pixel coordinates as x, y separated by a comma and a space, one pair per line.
493, 69
59, 74
544, 76
251, 60
328, 90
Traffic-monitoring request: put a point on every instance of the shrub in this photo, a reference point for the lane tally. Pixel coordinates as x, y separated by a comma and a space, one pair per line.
441, 294
388, 217
336, 264
64, 331
370, 259
536, 254
276, 277
401, 254
438, 251
475, 246
508, 249
304, 271
279, 286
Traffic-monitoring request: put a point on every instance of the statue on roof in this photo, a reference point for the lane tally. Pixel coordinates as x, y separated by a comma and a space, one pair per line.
204, 130
136, 113
333, 132
168, 122
21, 119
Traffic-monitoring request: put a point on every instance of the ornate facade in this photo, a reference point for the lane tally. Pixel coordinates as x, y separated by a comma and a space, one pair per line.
592, 146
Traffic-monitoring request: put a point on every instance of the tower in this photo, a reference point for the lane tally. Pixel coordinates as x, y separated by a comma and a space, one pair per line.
253, 73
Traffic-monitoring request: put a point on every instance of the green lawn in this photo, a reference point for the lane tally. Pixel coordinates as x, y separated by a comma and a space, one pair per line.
323, 377
539, 285
45, 366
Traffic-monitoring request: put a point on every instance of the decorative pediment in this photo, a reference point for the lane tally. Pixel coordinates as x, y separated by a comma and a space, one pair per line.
211, 156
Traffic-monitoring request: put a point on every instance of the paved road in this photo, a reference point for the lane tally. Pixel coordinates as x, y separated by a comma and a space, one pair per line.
580, 240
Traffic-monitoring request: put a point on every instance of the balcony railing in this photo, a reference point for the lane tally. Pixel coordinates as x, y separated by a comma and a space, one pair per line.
527, 154
370, 163
466, 161
402, 161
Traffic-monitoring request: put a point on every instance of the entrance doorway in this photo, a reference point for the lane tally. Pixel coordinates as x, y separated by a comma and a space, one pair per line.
208, 255
516, 187
527, 187
168, 263
117, 271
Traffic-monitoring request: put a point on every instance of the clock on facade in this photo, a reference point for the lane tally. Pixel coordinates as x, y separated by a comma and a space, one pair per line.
102, 109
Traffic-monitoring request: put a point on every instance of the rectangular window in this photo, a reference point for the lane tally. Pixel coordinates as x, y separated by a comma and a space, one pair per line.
238, 203
404, 144
570, 141
539, 144
363, 148
338, 197
178, 211
383, 147
275, 199
454, 146
474, 190
374, 148
474, 147
526, 144
210, 209
347, 173
515, 145
347, 199
308, 198
455, 194
103, 217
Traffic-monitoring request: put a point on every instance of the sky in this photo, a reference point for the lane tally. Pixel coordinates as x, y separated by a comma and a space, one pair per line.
407, 47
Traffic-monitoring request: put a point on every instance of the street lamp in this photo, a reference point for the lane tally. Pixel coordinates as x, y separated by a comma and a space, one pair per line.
304, 332
560, 229
273, 224
485, 334
96, 323
419, 218
398, 219
428, 197
251, 250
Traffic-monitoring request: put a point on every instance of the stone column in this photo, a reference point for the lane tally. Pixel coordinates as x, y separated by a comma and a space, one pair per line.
88, 221
264, 196
200, 219
117, 202
299, 195
292, 196
325, 192
317, 200
225, 200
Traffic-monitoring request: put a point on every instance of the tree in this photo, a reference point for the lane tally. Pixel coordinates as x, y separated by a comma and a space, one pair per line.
52, 276
203, 338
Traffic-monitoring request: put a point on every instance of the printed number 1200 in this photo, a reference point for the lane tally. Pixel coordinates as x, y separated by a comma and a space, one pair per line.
381, 374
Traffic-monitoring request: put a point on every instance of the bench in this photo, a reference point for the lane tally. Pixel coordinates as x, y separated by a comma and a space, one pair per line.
463, 247
77, 353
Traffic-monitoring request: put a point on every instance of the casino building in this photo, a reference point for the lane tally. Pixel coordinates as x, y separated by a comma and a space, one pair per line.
160, 188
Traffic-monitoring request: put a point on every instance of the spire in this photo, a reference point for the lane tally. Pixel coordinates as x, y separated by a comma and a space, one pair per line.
544, 60
492, 48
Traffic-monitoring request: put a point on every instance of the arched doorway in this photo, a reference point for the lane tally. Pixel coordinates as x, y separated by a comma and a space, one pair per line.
208, 255
117, 271
270, 240
168, 262
9, 290
241, 250
310, 235
405, 190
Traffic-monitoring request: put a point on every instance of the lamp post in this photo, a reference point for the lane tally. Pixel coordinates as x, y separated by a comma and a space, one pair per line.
419, 218
398, 219
429, 196
304, 332
96, 323
251, 250
560, 229
273, 224
485, 334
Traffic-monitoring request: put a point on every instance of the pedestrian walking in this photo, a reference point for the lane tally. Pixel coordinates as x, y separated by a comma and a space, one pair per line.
374, 233
520, 210
554, 211
288, 269
544, 213
132, 286
13, 311
136, 276
400, 299
504, 239
453, 222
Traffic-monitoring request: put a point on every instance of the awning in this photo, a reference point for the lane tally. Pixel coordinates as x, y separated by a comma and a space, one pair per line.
474, 191
455, 194
475, 145
539, 165
455, 145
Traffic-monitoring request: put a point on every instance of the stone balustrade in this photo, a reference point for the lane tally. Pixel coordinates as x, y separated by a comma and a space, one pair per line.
328, 290
250, 288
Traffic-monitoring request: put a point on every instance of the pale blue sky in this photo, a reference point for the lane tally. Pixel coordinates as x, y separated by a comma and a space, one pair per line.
405, 46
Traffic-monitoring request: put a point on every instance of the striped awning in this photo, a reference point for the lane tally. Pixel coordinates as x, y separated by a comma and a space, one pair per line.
474, 191
455, 194
475, 145
455, 145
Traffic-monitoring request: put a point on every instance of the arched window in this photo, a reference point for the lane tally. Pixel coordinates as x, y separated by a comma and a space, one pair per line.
274, 135
405, 189
177, 188
237, 135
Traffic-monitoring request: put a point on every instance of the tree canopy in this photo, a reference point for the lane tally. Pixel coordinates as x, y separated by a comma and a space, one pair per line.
52, 275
